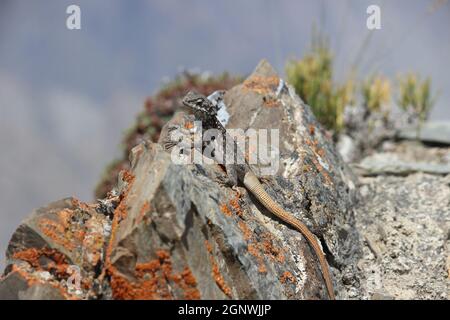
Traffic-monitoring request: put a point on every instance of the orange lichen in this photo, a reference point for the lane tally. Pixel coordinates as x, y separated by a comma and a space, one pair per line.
32, 256
217, 276
267, 247
147, 285
56, 232
60, 228
151, 281
234, 203
319, 152
143, 211
271, 102
64, 217
188, 284
189, 125
32, 280
322, 171
120, 212
264, 247
128, 177
254, 251
262, 85
58, 266
225, 210
81, 205
287, 276
245, 230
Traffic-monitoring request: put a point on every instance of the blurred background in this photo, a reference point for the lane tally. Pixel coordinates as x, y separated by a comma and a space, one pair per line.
66, 96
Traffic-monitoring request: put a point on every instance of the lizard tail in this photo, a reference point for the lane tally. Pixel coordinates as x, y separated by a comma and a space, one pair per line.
253, 184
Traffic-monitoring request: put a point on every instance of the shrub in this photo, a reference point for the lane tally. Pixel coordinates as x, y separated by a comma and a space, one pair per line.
415, 96
312, 78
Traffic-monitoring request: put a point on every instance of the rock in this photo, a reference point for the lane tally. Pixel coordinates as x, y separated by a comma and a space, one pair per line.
431, 132
405, 158
385, 163
157, 110
50, 247
364, 130
178, 232
407, 220
311, 171
347, 148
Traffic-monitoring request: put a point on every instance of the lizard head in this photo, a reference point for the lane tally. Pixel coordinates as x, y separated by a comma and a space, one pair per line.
198, 103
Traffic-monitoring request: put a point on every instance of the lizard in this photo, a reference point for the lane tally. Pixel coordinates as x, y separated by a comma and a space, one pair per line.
204, 110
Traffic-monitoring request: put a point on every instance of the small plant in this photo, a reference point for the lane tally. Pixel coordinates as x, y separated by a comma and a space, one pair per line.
376, 93
415, 97
312, 78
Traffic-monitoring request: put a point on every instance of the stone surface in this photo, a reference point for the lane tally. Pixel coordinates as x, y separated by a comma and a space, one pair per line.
405, 225
404, 219
48, 248
405, 158
437, 132
385, 163
178, 232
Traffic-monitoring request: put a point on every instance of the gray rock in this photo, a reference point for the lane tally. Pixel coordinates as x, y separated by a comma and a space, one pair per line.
231, 245
347, 148
405, 221
392, 164
15, 287
178, 232
432, 132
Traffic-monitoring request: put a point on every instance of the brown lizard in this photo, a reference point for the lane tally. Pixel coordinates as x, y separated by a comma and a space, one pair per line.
206, 111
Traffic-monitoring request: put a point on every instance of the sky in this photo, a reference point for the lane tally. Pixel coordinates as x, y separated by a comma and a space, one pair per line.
66, 96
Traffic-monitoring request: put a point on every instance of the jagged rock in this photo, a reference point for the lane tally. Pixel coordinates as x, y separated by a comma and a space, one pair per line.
158, 109
431, 132
178, 232
49, 247
311, 172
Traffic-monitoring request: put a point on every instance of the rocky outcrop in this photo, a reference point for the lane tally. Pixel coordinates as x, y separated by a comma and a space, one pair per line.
171, 231
157, 110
